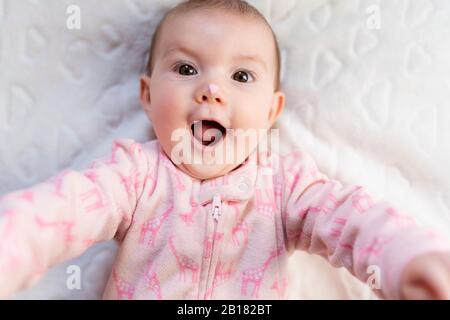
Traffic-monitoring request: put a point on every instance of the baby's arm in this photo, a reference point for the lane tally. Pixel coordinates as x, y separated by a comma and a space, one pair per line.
59, 219
343, 224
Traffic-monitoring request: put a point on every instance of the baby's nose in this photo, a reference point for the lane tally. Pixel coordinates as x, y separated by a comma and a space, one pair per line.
213, 88
212, 94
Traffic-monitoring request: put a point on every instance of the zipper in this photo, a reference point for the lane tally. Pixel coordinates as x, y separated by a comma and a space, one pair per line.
216, 208
215, 213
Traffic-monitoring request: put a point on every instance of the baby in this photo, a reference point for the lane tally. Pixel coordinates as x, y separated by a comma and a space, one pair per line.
213, 229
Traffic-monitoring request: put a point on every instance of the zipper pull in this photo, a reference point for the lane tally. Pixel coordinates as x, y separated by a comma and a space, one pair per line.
216, 207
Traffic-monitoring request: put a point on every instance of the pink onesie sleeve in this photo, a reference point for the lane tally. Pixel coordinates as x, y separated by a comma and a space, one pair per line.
344, 225
59, 219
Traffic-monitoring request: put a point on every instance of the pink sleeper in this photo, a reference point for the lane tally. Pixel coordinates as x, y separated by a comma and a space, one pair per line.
223, 238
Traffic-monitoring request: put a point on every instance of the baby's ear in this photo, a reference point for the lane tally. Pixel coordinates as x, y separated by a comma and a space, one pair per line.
145, 92
277, 107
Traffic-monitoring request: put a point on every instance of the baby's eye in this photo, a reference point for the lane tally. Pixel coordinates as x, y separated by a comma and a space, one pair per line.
186, 70
242, 76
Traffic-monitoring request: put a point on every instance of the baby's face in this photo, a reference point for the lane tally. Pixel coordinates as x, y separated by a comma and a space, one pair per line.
211, 65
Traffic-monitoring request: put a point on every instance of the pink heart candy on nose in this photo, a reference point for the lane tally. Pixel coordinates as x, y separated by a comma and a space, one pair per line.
213, 88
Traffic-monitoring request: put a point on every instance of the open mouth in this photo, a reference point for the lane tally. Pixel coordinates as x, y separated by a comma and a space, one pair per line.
208, 132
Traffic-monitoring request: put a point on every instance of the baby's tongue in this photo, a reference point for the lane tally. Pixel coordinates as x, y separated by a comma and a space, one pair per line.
206, 131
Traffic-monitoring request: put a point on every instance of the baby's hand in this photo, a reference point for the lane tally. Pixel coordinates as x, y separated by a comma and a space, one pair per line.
427, 277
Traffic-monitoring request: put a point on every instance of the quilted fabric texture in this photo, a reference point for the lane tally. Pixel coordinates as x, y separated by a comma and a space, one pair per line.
366, 97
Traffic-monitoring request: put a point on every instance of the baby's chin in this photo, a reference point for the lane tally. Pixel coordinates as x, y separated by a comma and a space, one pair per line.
208, 165
205, 171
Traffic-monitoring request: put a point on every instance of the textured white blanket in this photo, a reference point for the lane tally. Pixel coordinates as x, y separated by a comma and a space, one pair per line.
367, 85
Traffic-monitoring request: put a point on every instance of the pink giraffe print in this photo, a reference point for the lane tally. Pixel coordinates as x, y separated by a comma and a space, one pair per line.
208, 243
113, 159
88, 242
221, 275
184, 263
328, 205
169, 165
152, 282
58, 180
136, 148
241, 229
153, 226
400, 220
362, 202
295, 174
125, 290
27, 195
293, 183
95, 200
374, 248
131, 182
280, 287
278, 189
266, 208
345, 245
339, 224
152, 177
290, 162
188, 216
91, 175
65, 226
256, 275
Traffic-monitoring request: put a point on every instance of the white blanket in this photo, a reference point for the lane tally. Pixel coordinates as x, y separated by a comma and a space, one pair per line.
367, 85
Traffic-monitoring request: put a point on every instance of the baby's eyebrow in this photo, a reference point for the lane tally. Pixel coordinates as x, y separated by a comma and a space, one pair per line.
184, 50
256, 59
240, 57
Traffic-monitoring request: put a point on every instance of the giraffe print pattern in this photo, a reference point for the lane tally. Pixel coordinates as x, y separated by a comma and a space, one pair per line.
374, 248
251, 229
241, 229
152, 282
255, 276
153, 226
188, 216
280, 287
265, 203
184, 263
93, 200
124, 289
63, 226
208, 243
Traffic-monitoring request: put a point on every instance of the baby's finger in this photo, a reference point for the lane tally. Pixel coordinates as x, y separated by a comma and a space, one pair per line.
416, 292
442, 283
437, 279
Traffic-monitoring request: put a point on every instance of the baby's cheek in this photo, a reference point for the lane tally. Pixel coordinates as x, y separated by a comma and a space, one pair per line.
164, 90
252, 119
168, 107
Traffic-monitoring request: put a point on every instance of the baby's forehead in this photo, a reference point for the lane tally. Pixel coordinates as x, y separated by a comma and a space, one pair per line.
211, 33
202, 21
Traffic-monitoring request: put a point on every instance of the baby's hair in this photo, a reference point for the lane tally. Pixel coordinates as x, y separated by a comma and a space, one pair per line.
238, 7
